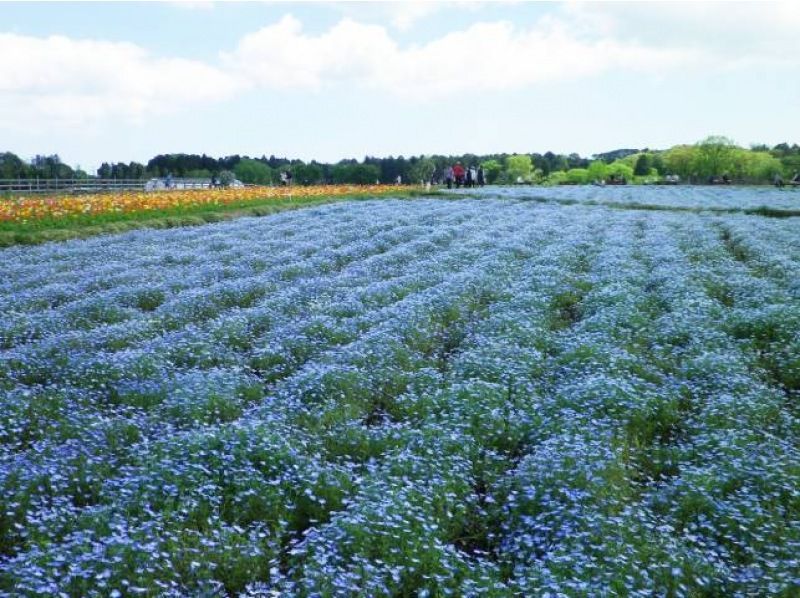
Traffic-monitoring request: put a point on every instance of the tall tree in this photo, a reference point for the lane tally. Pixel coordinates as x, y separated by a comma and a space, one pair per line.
519, 167
422, 171
714, 156
643, 165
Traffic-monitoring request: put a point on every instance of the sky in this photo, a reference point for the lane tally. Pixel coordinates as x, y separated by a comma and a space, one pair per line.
123, 81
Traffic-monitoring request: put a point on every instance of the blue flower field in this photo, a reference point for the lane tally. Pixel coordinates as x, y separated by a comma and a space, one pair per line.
486, 396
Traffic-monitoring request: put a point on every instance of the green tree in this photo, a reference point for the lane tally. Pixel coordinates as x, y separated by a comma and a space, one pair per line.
755, 166
136, 170
104, 172
307, 174
356, 174
422, 171
50, 167
226, 178
620, 169
644, 163
12, 166
253, 172
198, 173
658, 163
556, 177
491, 171
597, 171
680, 160
519, 167
577, 176
714, 156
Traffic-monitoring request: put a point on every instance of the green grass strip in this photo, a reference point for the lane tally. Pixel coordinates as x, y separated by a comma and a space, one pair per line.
764, 211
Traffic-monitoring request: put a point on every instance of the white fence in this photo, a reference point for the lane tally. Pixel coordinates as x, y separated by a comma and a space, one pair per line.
97, 185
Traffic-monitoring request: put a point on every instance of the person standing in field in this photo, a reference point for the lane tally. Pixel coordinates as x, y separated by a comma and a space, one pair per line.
448, 177
481, 177
458, 174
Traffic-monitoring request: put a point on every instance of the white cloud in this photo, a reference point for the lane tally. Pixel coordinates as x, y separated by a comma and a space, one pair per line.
63, 82
485, 56
729, 34
405, 14
281, 56
59, 81
193, 4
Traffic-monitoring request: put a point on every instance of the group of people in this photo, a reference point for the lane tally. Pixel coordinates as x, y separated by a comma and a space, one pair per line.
468, 177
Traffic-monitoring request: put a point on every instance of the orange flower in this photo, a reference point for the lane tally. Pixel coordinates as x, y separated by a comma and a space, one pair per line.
24, 209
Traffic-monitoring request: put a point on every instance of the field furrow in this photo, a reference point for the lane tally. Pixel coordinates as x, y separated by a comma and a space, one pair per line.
485, 397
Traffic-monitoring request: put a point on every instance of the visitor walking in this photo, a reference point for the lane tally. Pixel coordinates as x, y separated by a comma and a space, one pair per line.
458, 174
448, 177
481, 177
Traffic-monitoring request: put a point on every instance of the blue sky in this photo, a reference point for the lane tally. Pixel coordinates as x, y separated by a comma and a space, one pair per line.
125, 81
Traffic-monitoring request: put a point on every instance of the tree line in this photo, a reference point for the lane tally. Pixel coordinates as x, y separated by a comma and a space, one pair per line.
712, 157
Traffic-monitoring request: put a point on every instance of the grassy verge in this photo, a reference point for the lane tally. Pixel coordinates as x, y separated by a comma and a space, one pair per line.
79, 227
765, 211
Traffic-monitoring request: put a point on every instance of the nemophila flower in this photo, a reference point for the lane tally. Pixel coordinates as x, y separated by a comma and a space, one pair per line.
481, 398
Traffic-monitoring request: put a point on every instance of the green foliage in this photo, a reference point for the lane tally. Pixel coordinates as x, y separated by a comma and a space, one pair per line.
578, 176
253, 172
120, 170
422, 171
711, 157
492, 170
755, 166
629, 160
307, 174
597, 171
620, 170
715, 156
226, 178
200, 173
49, 167
643, 165
680, 160
12, 167
356, 174
519, 167
556, 178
